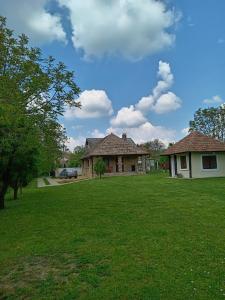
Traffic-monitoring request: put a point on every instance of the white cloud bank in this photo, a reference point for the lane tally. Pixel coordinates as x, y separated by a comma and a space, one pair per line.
140, 134
94, 104
146, 132
32, 18
130, 28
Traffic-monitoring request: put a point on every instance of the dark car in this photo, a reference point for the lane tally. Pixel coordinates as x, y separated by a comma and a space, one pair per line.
68, 173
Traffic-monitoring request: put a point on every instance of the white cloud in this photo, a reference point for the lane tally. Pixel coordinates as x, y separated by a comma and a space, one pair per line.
94, 104
167, 103
32, 18
146, 132
130, 28
74, 142
185, 131
161, 101
145, 104
97, 134
214, 100
128, 117
163, 85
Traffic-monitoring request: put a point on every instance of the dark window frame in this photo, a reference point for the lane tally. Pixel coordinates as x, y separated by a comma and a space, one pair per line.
210, 164
183, 164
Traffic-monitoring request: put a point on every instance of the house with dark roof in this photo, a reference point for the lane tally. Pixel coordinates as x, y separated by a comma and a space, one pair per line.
121, 155
197, 156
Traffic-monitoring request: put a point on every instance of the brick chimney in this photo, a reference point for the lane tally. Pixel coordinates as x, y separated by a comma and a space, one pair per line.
124, 136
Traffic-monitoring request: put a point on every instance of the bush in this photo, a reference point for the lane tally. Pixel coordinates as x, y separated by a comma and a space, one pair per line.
100, 167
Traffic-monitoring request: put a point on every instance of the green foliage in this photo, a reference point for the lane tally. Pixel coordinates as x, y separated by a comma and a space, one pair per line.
33, 93
100, 167
155, 148
75, 157
163, 159
210, 121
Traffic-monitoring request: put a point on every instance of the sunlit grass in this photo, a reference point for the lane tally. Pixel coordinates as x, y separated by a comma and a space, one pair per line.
137, 237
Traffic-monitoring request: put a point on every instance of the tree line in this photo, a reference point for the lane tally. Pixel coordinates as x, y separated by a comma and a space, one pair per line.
34, 91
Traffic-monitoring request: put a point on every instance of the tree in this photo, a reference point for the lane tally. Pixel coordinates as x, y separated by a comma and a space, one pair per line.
33, 93
155, 147
100, 167
52, 147
209, 121
75, 157
24, 160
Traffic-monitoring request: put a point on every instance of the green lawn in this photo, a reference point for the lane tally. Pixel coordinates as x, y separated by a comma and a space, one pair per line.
138, 237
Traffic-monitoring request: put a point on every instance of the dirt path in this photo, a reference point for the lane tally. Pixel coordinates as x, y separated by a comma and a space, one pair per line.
56, 182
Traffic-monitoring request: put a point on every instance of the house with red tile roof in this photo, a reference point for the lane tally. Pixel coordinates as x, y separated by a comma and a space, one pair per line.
197, 156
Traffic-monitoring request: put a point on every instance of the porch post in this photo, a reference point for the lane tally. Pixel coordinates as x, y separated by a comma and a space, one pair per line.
190, 166
143, 164
175, 164
170, 171
120, 164
92, 167
172, 163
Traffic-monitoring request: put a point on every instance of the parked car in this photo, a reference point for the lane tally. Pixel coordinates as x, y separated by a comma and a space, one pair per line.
68, 173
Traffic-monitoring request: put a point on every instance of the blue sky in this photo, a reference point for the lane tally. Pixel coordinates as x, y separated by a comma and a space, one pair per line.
170, 52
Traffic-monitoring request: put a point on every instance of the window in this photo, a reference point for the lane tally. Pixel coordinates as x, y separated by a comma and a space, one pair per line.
183, 162
209, 162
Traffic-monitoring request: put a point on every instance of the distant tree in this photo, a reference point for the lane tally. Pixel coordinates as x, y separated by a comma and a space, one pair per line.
75, 157
100, 167
33, 93
209, 121
171, 144
155, 147
164, 162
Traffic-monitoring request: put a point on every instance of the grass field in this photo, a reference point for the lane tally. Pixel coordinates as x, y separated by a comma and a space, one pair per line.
138, 237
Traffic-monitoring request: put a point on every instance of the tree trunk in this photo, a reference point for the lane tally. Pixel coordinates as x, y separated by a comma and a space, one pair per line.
15, 193
21, 190
3, 190
2, 201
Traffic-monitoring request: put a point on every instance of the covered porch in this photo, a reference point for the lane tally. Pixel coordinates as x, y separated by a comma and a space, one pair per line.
117, 164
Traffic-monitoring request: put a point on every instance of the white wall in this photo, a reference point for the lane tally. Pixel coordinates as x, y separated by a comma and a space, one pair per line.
172, 166
185, 173
197, 170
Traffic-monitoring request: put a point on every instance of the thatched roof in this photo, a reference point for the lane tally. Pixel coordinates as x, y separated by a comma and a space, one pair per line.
196, 142
112, 145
